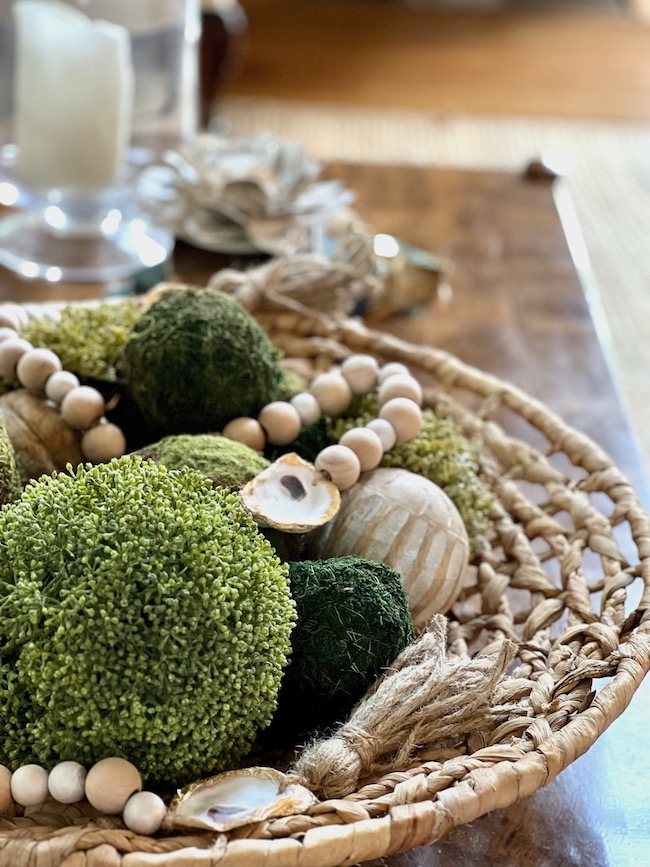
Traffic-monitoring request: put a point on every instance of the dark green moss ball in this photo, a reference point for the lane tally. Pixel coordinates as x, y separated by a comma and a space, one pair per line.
195, 359
353, 620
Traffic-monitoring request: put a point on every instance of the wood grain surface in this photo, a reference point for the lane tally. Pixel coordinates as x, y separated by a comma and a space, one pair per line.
532, 59
517, 309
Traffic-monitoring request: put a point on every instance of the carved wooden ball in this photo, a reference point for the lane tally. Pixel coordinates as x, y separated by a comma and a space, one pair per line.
401, 519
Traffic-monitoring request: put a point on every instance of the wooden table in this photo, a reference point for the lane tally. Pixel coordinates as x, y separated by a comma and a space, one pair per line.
518, 310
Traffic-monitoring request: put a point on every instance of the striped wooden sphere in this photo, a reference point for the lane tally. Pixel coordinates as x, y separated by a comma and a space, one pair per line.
401, 519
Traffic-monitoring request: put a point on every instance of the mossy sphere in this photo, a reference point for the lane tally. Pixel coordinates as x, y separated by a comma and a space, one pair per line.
227, 463
195, 359
143, 616
353, 620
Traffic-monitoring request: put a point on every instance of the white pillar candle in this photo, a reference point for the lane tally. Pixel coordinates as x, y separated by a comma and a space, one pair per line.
73, 96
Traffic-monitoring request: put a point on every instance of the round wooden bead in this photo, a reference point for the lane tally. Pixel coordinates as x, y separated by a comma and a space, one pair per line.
144, 813
404, 415
110, 783
332, 391
59, 384
385, 431
6, 332
66, 782
340, 465
29, 785
9, 320
361, 373
16, 313
5, 789
10, 352
307, 406
366, 445
82, 407
392, 368
281, 422
400, 385
246, 430
103, 442
10, 317
35, 367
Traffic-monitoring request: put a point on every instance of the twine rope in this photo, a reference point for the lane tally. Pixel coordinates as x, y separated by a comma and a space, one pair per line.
304, 281
436, 699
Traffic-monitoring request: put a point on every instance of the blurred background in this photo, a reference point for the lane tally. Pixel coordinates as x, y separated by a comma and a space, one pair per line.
483, 84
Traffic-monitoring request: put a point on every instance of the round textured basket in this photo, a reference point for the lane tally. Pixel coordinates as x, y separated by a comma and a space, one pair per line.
563, 579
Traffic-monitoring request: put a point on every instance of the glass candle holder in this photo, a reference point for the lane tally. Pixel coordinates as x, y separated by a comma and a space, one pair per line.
90, 92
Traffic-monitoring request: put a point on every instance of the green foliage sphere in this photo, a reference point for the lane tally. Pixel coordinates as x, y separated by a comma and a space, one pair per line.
87, 338
195, 359
353, 620
227, 463
142, 615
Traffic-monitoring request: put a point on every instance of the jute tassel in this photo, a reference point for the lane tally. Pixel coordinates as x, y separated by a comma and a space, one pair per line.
435, 698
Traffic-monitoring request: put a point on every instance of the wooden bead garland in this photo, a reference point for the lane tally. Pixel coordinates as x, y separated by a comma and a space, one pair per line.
41, 373
112, 786
360, 449
82, 407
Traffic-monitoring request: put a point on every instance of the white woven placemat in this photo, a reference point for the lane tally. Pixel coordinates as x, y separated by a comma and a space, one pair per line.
609, 181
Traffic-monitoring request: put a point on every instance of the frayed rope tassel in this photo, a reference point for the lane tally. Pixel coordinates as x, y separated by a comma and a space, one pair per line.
426, 698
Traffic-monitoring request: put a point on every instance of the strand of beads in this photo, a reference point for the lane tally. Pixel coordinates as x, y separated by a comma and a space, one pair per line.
41, 373
111, 786
359, 449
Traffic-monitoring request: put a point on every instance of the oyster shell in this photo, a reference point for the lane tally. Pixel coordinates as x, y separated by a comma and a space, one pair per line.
291, 495
237, 798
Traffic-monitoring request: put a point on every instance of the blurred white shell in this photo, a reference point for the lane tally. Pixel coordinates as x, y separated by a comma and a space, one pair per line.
396, 517
237, 798
291, 495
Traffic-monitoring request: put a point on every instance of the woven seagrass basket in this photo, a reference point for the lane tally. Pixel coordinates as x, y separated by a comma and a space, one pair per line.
565, 575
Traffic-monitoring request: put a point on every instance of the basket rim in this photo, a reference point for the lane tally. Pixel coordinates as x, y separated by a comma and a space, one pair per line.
487, 784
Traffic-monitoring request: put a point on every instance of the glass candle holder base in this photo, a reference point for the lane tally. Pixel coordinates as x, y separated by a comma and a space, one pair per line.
34, 250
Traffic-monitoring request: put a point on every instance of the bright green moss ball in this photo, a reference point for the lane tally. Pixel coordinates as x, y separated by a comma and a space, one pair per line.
195, 359
353, 620
227, 463
142, 615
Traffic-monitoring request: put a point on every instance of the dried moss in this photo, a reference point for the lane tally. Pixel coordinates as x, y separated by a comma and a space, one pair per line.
291, 383
440, 453
227, 463
195, 359
87, 339
142, 614
353, 620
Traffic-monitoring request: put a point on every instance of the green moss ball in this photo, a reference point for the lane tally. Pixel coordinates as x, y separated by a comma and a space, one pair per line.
353, 620
195, 359
87, 338
227, 463
142, 615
